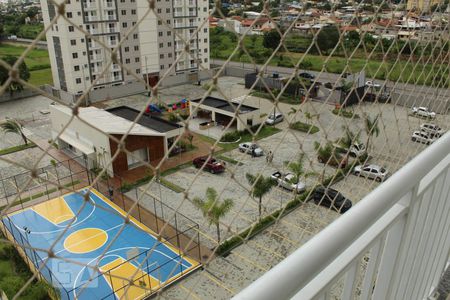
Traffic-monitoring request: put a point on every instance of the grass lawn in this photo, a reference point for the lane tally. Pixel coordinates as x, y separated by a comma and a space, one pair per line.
37, 61
41, 77
245, 137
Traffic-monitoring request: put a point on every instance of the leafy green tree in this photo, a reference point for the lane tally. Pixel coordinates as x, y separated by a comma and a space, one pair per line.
13, 126
261, 186
24, 73
372, 128
327, 38
271, 39
349, 138
213, 209
297, 168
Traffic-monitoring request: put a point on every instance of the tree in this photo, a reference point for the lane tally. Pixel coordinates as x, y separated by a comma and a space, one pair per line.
13, 126
261, 186
24, 74
297, 168
371, 126
349, 138
213, 209
32, 12
327, 38
271, 39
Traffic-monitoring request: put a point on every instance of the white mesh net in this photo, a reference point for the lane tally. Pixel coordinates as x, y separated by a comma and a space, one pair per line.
108, 183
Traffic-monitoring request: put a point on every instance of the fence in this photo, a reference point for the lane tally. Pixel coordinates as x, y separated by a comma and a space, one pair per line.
46, 183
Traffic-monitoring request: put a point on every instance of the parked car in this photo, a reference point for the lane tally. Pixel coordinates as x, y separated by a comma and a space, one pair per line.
371, 84
432, 129
423, 112
355, 150
422, 137
251, 147
287, 181
371, 171
331, 198
274, 118
335, 161
212, 165
307, 75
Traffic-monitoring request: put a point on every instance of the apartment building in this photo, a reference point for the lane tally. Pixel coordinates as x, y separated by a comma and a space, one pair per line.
152, 42
421, 5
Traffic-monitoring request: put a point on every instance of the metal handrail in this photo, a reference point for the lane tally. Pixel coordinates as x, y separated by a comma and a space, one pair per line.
289, 276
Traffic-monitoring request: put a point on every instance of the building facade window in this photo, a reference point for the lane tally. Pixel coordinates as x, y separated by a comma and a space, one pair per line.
136, 59
78, 80
71, 29
136, 48
74, 55
73, 42
76, 68
138, 71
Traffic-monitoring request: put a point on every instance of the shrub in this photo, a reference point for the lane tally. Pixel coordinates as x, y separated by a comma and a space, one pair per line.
300, 126
345, 113
229, 137
126, 187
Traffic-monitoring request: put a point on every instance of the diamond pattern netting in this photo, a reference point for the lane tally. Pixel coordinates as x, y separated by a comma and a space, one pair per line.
266, 226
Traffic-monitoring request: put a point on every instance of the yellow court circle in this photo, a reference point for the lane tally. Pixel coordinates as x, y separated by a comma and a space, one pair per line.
85, 240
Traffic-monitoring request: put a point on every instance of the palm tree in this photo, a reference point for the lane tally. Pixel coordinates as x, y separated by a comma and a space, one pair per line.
213, 210
14, 126
261, 186
372, 128
349, 138
297, 168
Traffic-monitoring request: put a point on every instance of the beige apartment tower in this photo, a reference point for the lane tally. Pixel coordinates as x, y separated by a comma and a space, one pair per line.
150, 50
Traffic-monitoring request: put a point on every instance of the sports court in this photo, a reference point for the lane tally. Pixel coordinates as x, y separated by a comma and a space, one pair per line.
134, 255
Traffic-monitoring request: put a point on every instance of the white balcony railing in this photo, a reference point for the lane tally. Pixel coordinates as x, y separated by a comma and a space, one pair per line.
401, 229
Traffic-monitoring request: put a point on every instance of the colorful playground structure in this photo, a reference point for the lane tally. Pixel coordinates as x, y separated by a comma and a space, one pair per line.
161, 108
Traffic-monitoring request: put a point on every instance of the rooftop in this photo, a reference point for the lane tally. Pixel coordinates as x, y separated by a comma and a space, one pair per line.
225, 105
148, 121
108, 122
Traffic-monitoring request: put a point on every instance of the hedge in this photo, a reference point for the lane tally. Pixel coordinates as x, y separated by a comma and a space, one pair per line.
308, 128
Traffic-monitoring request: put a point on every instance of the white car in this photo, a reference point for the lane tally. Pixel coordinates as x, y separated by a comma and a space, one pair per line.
423, 112
355, 150
250, 148
286, 181
422, 137
375, 172
432, 129
274, 118
371, 84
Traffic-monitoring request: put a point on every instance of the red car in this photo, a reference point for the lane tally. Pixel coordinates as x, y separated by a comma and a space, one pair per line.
212, 165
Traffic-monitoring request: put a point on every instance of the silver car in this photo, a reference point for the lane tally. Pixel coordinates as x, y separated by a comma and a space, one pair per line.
423, 112
422, 137
432, 129
286, 181
251, 148
375, 172
274, 118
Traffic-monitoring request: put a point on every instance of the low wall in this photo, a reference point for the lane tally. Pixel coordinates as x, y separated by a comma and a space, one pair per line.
6, 96
440, 105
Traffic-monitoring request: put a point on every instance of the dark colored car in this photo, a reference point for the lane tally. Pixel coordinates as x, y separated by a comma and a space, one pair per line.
307, 75
329, 197
212, 165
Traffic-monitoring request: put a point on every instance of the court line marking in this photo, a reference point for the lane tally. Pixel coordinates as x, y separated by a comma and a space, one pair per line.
76, 223
144, 228
101, 232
